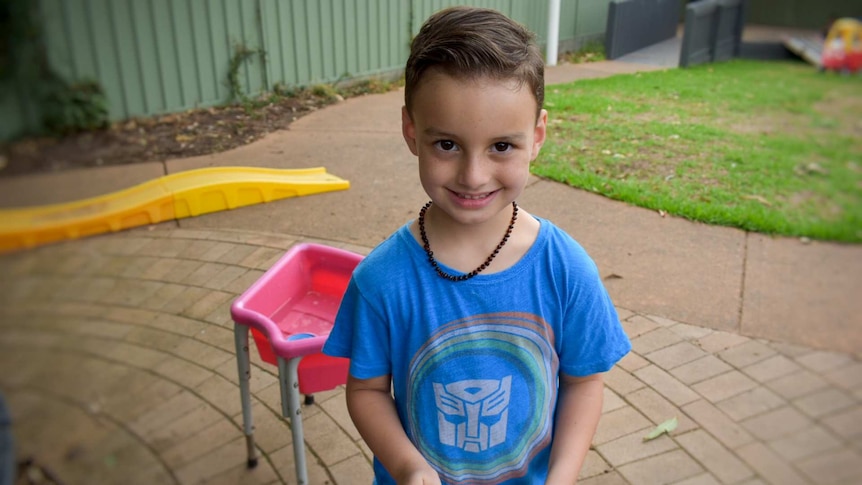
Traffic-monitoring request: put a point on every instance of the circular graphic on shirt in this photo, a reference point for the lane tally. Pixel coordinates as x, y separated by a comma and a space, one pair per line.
480, 396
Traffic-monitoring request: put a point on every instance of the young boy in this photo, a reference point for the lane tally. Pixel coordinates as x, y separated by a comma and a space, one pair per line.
476, 359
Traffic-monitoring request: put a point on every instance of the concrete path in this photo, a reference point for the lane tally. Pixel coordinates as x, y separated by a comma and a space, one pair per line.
116, 352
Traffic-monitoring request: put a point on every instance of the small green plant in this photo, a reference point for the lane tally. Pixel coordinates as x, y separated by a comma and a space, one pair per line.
241, 54
70, 108
593, 51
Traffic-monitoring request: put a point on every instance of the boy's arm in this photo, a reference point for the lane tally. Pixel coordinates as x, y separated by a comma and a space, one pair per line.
579, 408
372, 410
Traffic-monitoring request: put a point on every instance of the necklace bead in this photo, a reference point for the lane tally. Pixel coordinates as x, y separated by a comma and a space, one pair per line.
482, 266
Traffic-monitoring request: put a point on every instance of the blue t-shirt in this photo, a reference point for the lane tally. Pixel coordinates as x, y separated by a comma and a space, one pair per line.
475, 363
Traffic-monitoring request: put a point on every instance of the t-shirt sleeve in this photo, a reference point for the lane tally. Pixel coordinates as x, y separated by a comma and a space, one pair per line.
593, 338
361, 335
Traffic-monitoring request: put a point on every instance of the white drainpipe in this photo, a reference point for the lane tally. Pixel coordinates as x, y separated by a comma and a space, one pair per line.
553, 31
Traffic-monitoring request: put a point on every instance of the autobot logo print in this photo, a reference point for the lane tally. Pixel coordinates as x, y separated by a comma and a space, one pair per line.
480, 396
472, 414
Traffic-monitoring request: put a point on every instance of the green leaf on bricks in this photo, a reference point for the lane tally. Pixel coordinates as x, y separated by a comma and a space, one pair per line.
659, 430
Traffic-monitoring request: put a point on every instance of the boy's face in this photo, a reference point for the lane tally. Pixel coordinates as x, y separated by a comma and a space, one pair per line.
475, 140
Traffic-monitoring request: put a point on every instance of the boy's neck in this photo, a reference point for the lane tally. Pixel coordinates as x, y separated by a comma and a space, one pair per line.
465, 246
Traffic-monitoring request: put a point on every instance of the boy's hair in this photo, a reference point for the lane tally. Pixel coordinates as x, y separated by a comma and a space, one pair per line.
469, 43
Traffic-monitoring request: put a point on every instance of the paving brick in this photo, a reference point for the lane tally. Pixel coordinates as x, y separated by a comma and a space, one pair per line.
821, 361
184, 373
621, 381
336, 409
746, 353
134, 355
769, 466
225, 279
653, 340
771, 368
666, 385
217, 252
262, 474
657, 470
777, 423
796, 385
196, 445
136, 316
720, 461
718, 424
724, 386
804, 443
237, 253
213, 463
159, 268
190, 423
848, 376
271, 430
633, 448
847, 424
261, 258
190, 295
329, 442
284, 465
178, 325
675, 355
622, 313
203, 274
701, 369
206, 304
355, 469
702, 479
618, 423
220, 393
168, 248
164, 295
243, 282
203, 354
839, 466
594, 465
610, 478
181, 270
221, 338
719, 341
221, 315
638, 325
153, 339
750, 403
824, 402
611, 401
632, 362
690, 332
658, 409
103, 329
165, 412
196, 248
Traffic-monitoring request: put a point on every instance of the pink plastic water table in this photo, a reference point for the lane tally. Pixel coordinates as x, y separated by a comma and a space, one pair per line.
290, 311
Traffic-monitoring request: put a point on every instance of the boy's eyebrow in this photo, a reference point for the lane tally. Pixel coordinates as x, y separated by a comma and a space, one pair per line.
433, 132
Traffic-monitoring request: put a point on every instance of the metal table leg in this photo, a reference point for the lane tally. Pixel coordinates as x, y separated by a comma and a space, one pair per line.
290, 408
240, 333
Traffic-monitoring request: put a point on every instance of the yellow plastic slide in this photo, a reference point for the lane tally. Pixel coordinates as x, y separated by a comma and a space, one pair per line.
184, 194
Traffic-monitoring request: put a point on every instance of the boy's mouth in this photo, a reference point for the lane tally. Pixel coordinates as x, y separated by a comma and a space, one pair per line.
474, 196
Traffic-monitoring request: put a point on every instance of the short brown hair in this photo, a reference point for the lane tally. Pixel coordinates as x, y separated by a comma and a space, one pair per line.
469, 43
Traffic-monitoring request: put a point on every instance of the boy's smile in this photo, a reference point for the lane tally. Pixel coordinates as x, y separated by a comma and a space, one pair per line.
475, 139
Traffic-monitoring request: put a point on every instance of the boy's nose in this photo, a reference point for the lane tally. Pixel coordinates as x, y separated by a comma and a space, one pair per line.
472, 171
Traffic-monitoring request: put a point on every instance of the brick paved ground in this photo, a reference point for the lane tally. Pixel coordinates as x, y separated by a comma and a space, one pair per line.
117, 362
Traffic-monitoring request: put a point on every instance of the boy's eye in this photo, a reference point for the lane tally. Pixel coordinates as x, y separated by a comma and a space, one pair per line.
502, 146
446, 145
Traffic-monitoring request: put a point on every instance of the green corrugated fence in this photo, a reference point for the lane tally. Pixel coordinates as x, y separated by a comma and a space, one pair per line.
160, 56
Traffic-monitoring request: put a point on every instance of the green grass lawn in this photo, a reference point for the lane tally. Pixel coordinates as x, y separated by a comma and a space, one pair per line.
770, 147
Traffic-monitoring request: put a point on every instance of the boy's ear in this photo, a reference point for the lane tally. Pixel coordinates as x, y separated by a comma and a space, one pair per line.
540, 134
408, 129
